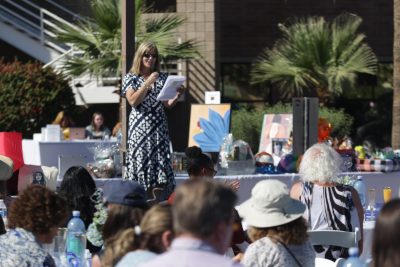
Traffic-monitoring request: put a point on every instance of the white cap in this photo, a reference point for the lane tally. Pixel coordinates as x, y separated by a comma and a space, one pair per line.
76, 213
353, 251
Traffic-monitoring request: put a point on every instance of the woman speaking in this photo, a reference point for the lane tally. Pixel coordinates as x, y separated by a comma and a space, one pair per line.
149, 155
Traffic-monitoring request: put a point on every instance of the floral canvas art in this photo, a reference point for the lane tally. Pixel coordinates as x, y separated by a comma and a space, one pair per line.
209, 124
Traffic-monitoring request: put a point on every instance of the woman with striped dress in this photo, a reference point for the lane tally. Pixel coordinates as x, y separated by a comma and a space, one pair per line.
329, 204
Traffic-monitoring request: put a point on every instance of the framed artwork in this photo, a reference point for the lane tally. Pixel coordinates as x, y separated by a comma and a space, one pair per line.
209, 124
275, 126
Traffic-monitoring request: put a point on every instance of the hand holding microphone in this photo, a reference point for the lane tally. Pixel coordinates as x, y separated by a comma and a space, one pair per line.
152, 78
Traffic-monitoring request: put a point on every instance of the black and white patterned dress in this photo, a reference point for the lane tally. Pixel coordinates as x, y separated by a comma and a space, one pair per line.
329, 208
149, 156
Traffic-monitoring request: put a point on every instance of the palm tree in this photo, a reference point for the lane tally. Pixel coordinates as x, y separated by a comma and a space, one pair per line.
396, 77
316, 57
98, 39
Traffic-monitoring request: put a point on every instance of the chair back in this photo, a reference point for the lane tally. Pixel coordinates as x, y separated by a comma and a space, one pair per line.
321, 262
340, 262
335, 238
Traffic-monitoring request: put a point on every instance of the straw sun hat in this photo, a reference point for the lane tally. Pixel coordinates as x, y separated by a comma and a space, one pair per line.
6, 168
270, 205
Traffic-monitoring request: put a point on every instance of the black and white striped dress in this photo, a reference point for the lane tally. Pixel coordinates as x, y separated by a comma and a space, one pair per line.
329, 208
149, 155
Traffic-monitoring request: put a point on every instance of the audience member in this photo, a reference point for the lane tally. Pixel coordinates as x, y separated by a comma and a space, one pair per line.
2, 226
126, 203
143, 243
97, 129
6, 172
386, 245
200, 165
64, 119
276, 227
329, 204
202, 216
78, 187
34, 218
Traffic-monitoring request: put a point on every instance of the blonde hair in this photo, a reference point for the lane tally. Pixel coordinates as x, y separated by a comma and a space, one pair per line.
156, 221
141, 50
59, 117
320, 163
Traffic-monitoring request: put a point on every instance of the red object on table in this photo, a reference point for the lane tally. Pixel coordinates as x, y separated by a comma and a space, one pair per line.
11, 146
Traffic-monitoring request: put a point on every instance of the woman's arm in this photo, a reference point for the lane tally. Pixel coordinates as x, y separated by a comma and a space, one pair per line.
295, 191
136, 97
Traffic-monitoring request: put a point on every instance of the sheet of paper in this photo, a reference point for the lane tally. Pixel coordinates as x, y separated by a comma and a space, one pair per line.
171, 84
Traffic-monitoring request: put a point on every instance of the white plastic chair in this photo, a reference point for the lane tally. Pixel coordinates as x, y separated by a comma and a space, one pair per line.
321, 262
339, 262
335, 238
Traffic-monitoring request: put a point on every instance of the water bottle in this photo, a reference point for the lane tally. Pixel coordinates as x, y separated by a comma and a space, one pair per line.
3, 212
359, 185
76, 241
353, 260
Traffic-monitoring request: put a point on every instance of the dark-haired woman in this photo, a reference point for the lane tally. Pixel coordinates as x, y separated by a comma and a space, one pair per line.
386, 240
34, 218
77, 187
199, 165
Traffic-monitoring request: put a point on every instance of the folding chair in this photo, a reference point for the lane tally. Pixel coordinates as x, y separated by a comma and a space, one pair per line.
335, 238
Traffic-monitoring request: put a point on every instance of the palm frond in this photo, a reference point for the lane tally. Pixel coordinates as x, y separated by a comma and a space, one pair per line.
98, 40
313, 52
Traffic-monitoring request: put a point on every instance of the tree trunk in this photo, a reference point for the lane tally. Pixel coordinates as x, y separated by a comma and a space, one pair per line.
396, 77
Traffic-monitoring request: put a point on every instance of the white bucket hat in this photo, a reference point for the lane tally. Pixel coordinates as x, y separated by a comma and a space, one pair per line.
270, 205
6, 168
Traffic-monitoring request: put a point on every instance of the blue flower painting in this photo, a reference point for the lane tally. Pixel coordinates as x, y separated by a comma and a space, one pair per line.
213, 130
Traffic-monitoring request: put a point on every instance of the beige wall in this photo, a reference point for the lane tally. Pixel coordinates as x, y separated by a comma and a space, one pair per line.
200, 26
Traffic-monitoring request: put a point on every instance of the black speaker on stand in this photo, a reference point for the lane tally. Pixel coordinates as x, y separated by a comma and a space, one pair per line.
305, 123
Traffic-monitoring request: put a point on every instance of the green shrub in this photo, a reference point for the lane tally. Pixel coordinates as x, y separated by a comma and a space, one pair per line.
30, 97
247, 122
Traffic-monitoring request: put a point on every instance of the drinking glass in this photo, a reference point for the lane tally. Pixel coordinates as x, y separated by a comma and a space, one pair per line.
387, 194
371, 205
60, 241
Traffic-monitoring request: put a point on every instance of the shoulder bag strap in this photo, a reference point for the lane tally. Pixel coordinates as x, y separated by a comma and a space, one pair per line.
290, 252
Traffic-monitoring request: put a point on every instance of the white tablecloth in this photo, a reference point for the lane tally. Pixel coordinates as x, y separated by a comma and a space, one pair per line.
377, 180
47, 153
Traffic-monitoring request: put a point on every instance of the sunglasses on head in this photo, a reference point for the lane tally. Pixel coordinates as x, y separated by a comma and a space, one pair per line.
150, 55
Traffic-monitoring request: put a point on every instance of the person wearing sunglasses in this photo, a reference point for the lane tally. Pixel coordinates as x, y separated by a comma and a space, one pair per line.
149, 156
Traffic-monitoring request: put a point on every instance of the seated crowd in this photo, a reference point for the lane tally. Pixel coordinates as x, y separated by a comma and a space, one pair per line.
200, 222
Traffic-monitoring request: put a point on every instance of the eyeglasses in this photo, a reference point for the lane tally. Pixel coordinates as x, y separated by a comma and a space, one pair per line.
213, 170
150, 55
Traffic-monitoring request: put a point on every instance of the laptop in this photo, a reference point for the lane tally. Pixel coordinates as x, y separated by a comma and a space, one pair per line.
77, 133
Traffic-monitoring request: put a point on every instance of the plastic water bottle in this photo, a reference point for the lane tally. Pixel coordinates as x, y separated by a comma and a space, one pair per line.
353, 260
359, 185
3, 212
76, 241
